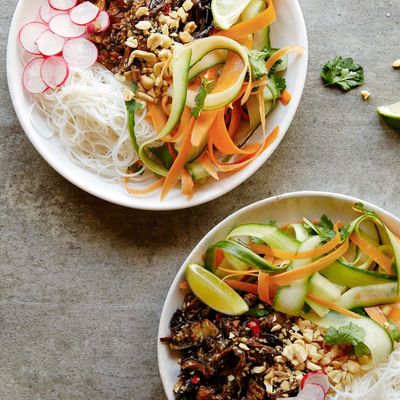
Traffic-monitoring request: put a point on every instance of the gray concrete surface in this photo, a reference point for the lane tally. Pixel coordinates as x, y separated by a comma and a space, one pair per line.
82, 282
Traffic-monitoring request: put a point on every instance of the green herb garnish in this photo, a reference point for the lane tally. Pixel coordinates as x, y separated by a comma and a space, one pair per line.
343, 73
205, 89
348, 334
132, 106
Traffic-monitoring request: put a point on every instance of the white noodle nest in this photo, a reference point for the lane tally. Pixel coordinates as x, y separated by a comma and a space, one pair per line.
88, 114
380, 383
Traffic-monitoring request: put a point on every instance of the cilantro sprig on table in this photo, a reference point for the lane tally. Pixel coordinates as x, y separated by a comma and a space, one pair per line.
348, 334
344, 73
204, 90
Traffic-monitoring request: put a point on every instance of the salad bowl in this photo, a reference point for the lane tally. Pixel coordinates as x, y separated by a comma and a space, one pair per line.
285, 209
287, 29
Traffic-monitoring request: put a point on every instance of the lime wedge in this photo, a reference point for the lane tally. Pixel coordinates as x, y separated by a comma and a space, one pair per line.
227, 12
213, 292
391, 114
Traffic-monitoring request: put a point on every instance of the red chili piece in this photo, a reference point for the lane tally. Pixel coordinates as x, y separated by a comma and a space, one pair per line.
254, 326
167, 9
196, 380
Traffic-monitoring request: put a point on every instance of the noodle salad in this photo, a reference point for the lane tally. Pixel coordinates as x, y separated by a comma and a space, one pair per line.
175, 100
308, 311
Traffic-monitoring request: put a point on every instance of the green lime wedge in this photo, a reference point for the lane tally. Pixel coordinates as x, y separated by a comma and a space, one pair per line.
227, 12
391, 114
213, 292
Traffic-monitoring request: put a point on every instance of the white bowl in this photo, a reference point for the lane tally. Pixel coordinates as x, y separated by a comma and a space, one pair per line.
288, 29
287, 208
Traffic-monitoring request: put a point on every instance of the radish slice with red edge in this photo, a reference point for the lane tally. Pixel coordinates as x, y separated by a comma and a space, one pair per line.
46, 12
311, 391
104, 20
84, 13
31, 79
50, 44
62, 5
62, 26
54, 71
80, 53
320, 377
28, 35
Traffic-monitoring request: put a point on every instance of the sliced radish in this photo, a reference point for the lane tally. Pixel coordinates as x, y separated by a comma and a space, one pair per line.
46, 12
50, 44
320, 377
31, 78
54, 71
28, 35
84, 13
80, 52
311, 391
62, 5
62, 26
104, 20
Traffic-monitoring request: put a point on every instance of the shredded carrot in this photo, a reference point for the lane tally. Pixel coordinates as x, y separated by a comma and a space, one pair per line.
147, 190
300, 255
177, 166
202, 126
187, 183
219, 256
148, 117
380, 258
236, 116
333, 306
281, 52
286, 278
166, 108
251, 25
263, 287
179, 136
245, 115
247, 41
285, 97
172, 151
242, 286
158, 116
377, 315
395, 312
208, 166
220, 136
184, 285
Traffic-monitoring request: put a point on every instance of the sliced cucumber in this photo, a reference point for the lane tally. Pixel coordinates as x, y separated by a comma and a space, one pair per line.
197, 171
260, 38
216, 57
181, 62
271, 235
318, 308
347, 275
386, 237
321, 287
367, 296
376, 338
200, 48
298, 231
241, 253
290, 299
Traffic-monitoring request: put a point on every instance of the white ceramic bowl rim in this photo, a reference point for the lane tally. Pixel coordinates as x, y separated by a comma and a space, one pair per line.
113, 192
389, 219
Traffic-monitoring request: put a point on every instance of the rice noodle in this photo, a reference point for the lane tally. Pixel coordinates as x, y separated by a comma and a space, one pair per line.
88, 114
380, 383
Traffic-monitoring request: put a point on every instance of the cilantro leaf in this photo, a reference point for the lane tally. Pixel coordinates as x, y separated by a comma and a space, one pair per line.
348, 334
361, 350
394, 331
257, 61
343, 73
280, 84
257, 312
132, 106
361, 207
136, 167
205, 88
162, 152
325, 229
